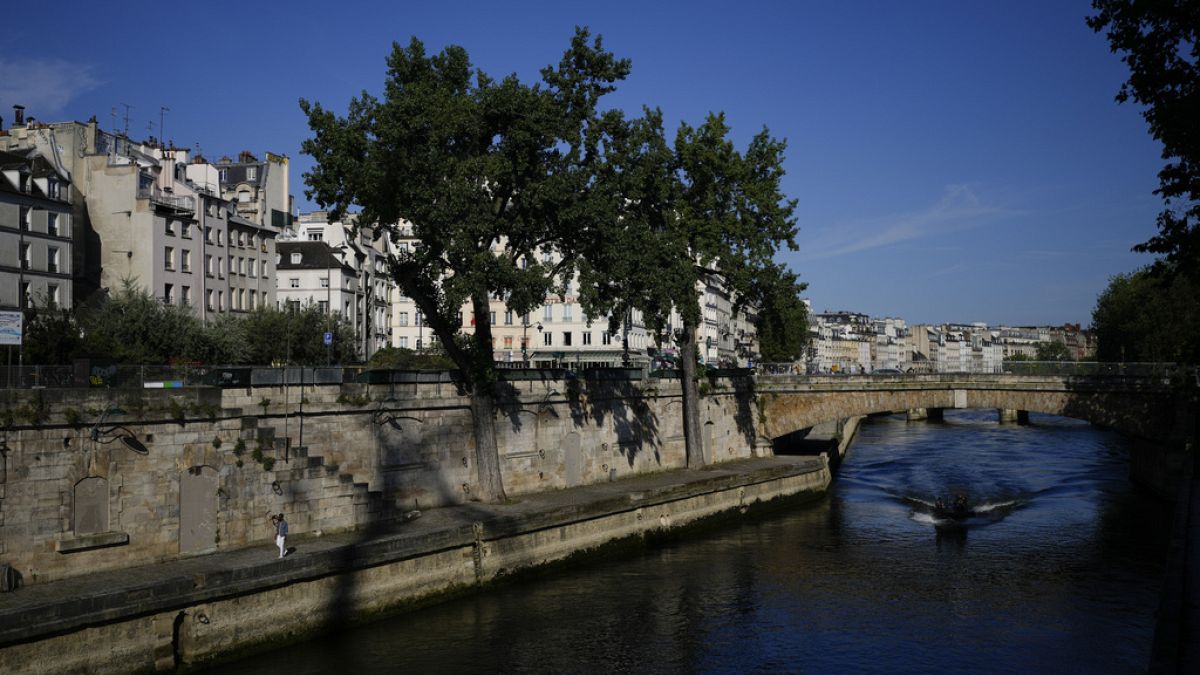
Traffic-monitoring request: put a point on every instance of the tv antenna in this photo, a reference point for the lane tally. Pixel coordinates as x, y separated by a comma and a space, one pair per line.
162, 114
127, 108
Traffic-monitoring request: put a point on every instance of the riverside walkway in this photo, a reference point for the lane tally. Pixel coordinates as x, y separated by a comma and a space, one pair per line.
33, 613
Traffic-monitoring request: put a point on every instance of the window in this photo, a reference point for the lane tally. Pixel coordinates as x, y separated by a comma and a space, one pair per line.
508, 316
250, 267
253, 299
252, 173
315, 235
548, 339
26, 294
296, 258
169, 258
587, 338
324, 282
208, 265
241, 298
221, 301
460, 318
51, 259
185, 260
52, 224
52, 188
419, 319
185, 294
168, 294
185, 230
52, 293
220, 268
508, 342
492, 318
208, 297
26, 217
244, 196
567, 339
524, 343
567, 312
294, 282
219, 237
403, 342
323, 306
547, 313
24, 256
224, 175
169, 227
606, 338
403, 320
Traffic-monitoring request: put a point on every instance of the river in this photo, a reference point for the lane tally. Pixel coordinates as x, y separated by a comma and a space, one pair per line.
1057, 569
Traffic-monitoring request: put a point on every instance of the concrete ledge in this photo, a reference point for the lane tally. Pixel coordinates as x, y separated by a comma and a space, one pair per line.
88, 542
595, 515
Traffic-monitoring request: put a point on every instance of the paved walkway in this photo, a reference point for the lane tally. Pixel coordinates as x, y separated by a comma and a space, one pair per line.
62, 605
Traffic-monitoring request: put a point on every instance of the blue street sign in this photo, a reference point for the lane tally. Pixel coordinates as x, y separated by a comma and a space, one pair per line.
328, 339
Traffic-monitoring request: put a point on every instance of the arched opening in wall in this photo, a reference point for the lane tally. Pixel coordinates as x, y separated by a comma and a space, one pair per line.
710, 443
198, 509
91, 506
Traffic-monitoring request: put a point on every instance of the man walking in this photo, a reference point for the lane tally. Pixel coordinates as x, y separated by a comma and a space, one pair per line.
281, 532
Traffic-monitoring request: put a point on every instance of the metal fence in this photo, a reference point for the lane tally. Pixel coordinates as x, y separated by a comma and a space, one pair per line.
177, 377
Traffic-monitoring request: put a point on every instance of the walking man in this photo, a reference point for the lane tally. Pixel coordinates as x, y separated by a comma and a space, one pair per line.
281, 532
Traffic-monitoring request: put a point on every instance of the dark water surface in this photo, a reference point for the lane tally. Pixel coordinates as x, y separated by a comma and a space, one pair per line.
1056, 570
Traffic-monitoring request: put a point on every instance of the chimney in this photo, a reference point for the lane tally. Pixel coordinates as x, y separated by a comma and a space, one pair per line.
18, 115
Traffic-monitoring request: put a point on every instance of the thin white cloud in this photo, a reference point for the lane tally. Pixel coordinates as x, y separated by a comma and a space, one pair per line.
43, 86
958, 209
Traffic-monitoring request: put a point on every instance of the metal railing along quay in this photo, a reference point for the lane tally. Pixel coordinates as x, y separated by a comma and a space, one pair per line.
89, 375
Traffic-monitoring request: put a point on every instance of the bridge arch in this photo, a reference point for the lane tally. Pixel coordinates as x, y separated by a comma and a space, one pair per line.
1134, 409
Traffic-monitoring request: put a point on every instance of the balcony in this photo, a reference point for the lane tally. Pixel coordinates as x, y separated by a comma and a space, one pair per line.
171, 202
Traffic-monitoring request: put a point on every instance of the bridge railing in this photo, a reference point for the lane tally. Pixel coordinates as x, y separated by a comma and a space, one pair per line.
1047, 368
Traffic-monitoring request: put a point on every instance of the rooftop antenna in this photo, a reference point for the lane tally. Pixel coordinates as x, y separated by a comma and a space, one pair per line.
162, 114
126, 132
114, 119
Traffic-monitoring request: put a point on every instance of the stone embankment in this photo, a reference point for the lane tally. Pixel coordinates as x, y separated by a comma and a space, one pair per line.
204, 608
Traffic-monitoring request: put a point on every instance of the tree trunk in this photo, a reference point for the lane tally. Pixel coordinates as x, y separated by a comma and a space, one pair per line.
490, 486
691, 398
483, 403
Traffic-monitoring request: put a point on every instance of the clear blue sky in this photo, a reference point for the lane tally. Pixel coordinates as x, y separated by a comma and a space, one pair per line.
953, 161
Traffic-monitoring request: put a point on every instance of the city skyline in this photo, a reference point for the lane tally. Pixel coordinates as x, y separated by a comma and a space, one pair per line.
950, 163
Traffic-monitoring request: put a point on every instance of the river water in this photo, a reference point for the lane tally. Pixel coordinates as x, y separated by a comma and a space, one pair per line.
1056, 569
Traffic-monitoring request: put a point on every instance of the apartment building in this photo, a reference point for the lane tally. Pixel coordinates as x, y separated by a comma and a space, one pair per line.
35, 230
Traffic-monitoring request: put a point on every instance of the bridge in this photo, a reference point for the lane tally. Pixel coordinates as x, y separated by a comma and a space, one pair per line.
1143, 403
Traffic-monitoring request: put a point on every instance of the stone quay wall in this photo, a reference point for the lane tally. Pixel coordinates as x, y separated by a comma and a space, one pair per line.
103, 479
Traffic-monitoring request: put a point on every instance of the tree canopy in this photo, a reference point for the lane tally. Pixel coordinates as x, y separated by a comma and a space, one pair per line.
128, 325
695, 214
498, 180
1146, 317
1160, 42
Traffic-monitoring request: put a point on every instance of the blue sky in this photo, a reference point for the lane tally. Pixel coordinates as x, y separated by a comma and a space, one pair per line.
953, 161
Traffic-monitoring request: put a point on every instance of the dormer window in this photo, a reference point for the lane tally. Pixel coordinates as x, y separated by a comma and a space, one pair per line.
252, 173
52, 188
296, 258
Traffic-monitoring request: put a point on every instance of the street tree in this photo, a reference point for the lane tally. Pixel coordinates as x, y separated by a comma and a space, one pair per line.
497, 179
693, 213
782, 321
1160, 42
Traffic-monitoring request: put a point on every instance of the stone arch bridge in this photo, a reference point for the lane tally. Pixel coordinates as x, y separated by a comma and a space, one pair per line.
1148, 407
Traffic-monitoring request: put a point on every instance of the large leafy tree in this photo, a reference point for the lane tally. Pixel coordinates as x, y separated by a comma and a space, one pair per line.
694, 212
1147, 317
493, 175
1160, 42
